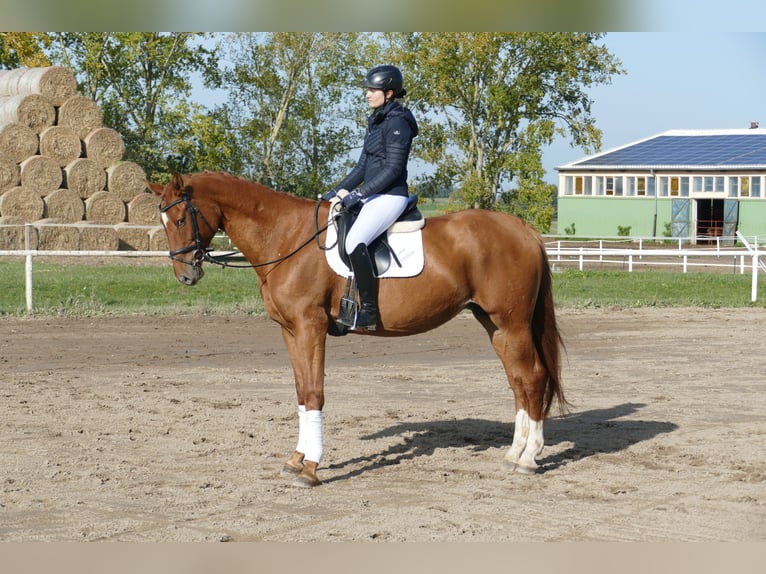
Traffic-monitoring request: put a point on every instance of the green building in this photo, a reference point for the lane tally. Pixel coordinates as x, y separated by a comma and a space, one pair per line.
695, 184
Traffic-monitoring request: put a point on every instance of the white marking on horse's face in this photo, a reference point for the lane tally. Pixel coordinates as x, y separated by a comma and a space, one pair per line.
164, 217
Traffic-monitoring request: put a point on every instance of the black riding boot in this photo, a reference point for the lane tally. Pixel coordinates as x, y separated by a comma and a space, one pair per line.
367, 285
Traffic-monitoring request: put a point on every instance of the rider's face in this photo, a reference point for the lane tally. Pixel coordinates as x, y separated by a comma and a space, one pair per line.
375, 98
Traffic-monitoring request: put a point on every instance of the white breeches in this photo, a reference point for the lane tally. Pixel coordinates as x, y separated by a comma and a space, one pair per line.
377, 214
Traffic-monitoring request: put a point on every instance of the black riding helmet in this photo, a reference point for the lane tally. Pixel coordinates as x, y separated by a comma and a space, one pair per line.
385, 78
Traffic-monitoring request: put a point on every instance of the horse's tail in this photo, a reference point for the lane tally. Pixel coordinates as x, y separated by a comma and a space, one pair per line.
547, 338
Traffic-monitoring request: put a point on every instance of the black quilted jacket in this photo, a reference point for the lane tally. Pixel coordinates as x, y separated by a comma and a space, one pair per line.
382, 165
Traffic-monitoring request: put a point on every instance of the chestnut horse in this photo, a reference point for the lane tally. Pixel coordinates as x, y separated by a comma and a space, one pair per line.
491, 263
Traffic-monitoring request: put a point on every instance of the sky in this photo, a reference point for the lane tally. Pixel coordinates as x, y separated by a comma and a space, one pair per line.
674, 80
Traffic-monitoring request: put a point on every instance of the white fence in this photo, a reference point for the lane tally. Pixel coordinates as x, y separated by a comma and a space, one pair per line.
561, 253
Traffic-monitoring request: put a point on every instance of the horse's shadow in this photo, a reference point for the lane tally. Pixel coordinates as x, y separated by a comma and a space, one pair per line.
590, 432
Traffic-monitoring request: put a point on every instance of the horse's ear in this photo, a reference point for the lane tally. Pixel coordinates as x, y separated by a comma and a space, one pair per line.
177, 181
155, 187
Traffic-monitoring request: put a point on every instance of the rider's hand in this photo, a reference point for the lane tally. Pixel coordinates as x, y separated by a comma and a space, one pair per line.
351, 199
329, 195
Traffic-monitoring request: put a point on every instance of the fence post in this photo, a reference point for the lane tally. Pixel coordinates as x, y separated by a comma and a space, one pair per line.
28, 265
754, 252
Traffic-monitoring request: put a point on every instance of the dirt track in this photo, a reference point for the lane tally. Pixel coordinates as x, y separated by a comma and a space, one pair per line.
175, 429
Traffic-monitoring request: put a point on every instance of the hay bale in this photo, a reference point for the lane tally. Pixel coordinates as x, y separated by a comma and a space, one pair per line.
126, 179
144, 209
9, 174
64, 205
22, 202
9, 81
54, 83
54, 235
96, 237
158, 240
61, 144
84, 176
132, 237
31, 110
17, 142
41, 174
104, 146
80, 114
105, 207
13, 233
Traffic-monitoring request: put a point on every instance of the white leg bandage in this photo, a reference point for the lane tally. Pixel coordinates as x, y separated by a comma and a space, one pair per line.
313, 436
301, 429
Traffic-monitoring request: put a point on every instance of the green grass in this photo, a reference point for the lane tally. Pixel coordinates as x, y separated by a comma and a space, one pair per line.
82, 290
654, 289
126, 289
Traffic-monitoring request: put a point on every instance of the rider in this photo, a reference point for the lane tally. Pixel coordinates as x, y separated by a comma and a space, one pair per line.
379, 181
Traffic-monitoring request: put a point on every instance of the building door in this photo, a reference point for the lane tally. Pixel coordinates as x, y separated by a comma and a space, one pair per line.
717, 218
679, 224
730, 219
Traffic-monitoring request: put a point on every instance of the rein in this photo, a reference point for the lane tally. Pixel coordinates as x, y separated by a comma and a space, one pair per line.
202, 253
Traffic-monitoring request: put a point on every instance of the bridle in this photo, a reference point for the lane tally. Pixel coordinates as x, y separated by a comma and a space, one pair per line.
202, 253
199, 252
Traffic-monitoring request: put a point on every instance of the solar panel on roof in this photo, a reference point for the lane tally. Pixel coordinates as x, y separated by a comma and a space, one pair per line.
686, 150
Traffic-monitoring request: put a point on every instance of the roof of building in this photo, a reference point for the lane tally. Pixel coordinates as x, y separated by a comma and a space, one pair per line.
684, 149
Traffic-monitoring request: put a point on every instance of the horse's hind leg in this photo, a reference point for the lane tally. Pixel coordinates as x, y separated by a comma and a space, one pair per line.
527, 377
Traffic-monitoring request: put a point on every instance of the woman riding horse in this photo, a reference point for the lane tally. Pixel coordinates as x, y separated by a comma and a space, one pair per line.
379, 181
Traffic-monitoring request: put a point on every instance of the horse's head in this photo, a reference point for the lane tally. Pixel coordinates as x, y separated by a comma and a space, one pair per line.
187, 228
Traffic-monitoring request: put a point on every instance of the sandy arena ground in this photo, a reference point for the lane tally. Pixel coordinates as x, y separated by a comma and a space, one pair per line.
175, 429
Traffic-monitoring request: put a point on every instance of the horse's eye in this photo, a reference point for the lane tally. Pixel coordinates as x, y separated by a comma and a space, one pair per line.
181, 222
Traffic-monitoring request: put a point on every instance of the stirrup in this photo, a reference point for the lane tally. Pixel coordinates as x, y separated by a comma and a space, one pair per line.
349, 308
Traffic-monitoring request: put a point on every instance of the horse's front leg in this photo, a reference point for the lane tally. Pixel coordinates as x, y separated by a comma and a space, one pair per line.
306, 348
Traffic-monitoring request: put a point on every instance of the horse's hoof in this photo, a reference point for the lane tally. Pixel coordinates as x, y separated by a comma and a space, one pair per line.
509, 465
306, 481
290, 470
521, 469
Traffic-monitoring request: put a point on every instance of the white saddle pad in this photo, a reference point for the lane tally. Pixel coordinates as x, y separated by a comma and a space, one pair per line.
408, 247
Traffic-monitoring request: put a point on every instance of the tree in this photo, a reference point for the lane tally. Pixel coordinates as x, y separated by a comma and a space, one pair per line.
289, 106
142, 82
491, 101
23, 49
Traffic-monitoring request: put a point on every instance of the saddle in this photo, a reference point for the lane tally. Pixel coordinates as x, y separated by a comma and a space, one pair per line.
381, 253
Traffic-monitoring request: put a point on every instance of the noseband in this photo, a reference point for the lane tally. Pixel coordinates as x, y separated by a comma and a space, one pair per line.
200, 252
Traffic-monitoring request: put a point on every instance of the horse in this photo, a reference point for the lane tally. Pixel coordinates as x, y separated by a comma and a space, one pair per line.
491, 263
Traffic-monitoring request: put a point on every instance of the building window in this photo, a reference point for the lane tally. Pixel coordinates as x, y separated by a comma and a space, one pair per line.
697, 184
708, 184
567, 185
578, 185
650, 184
641, 186
674, 187
684, 187
755, 188
719, 184
663, 187
744, 187
733, 187
599, 181
588, 185
609, 185
618, 185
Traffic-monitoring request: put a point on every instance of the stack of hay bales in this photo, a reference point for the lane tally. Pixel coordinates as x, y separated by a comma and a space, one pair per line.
60, 165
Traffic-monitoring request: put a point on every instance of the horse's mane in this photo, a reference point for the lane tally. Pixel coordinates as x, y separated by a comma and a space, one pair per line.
243, 185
